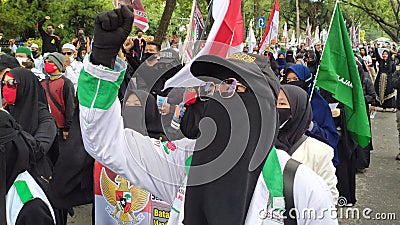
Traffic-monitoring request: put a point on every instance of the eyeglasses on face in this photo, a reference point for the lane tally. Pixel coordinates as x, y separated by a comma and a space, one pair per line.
67, 53
227, 88
11, 83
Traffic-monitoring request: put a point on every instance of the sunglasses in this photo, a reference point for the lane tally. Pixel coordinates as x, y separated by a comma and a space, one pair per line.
227, 88
67, 53
12, 83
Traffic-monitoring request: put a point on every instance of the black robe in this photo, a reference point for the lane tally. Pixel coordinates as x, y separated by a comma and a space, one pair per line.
346, 169
72, 183
19, 157
383, 84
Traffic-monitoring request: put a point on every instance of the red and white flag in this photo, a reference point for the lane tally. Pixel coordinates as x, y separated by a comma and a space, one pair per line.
226, 37
272, 27
194, 32
141, 20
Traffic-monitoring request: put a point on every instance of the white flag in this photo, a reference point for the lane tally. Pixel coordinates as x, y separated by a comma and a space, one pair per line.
251, 38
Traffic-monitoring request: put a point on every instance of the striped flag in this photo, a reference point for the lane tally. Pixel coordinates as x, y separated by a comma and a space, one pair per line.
272, 27
225, 38
195, 30
140, 20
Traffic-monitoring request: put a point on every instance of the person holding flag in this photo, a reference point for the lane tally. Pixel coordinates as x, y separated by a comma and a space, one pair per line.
339, 76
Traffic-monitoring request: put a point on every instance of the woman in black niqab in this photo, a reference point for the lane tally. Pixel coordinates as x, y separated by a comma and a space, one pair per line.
140, 113
18, 158
233, 133
31, 110
300, 117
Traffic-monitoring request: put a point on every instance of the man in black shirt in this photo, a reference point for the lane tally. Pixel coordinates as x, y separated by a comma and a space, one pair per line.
50, 41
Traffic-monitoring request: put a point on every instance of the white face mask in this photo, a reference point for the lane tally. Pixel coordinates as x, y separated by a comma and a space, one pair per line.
71, 58
1, 37
21, 60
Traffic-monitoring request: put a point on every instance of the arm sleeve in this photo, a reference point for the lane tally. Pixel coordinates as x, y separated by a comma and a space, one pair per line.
46, 132
312, 199
327, 171
58, 44
378, 57
133, 61
69, 103
40, 27
72, 73
35, 210
158, 167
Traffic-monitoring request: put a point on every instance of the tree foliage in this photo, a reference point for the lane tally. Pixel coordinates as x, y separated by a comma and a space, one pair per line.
385, 13
18, 18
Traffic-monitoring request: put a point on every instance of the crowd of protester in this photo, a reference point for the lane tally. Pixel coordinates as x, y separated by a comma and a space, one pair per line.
57, 154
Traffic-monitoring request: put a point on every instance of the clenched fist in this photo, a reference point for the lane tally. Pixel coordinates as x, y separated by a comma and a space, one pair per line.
110, 31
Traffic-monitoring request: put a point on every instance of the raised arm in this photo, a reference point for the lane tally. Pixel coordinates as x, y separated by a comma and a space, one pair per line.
156, 166
40, 27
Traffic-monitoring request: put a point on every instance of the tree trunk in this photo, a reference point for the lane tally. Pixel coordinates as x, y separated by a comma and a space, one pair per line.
164, 22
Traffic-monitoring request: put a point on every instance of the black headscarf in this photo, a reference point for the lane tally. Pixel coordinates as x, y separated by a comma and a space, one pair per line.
16, 149
31, 98
144, 119
301, 115
234, 131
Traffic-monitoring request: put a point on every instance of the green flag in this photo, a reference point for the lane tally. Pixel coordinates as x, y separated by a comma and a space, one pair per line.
338, 74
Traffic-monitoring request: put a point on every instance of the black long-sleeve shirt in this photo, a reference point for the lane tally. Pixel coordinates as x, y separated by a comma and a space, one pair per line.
50, 43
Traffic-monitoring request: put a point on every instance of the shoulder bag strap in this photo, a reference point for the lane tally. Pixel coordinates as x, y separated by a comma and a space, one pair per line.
297, 144
52, 98
288, 180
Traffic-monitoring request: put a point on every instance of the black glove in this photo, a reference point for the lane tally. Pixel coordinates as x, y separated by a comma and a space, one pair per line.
110, 31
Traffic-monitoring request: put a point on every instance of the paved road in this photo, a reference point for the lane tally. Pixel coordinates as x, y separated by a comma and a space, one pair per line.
378, 189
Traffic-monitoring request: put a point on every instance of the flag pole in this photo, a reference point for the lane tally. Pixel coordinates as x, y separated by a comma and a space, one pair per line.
209, 9
329, 30
189, 29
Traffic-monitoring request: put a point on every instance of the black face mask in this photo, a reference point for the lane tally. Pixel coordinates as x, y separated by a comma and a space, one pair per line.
281, 61
139, 36
300, 83
50, 31
134, 118
284, 116
146, 55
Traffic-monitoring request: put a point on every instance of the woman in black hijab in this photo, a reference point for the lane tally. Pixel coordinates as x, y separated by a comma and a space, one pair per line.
140, 113
295, 117
31, 111
17, 156
239, 134
383, 83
